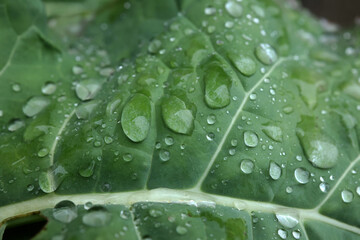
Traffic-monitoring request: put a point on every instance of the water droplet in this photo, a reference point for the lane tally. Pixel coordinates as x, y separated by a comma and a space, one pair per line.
35, 105
210, 136
210, 11
347, 196
273, 132
232, 151
88, 171
16, 87
30, 187
274, 171
250, 139
108, 139
164, 155
234, 142
296, 234
289, 189
234, 9
244, 64
169, 140
217, 82
87, 89
287, 220
299, 158
50, 180
155, 213
85, 110
154, 46
125, 214
181, 230
302, 175
266, 54
247, 166
127, 157
288, 109
65, 211
77, 70
88, 205
43, 152
135, 118
324, 187
178, 115
49, 88
97, 216
253, 96
358, 190
211, 119
282, 233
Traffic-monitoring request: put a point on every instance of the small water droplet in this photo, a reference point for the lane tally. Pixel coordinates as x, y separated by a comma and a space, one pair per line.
232, 151
210, 11
245, 64
250, 139
35, 105
324, 187
299, 158
234, 9
266, 54
77, 70
273, 132
30, 187
296, 234
43, 152
49, 88
210, 136
358, 190
16, 87
108, 139
88, 171
287, 220
164, 155
289, 189
247, 166
127, 157
302, 175
15, 125
234, 142
282, 233
155, 213
211, 119
88, 205
65, 211
97, 216
125, 214
154, 46
253, 96
347, 196
274, 171
181, 230
169, 140
87, 89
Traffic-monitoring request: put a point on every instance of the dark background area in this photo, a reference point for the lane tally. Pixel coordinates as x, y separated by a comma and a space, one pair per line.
342, 12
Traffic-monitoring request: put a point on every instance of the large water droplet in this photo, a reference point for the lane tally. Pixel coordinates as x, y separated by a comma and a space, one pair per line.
266, 54
244, 64
302, 175
347, 196
50, 180
87, 89
273, 132
49, 88
247, 166
35, 105
88, 171
97, 216
217, 82
250, 139
85, 110
274, 171
287, 220
234, 9
135, 118
178, 115
65, 211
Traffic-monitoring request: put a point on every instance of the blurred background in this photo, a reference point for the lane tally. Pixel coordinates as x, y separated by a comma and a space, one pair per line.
343, 12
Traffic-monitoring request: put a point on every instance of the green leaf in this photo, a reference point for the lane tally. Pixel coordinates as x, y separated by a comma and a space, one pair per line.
177, 120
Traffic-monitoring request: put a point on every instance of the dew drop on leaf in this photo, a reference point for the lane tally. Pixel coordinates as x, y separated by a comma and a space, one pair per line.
210, 136
296, 234
247, 166
87, 89
43, 152
16, 87
155, 213
169, 140
48, 88
244, 64
211, 119
287, 220
30, 187
358, 190
35, 105
234, 9
88, 171
234, 142
50, 179
164, 155
301, 175
125, 214
250, 139
252, 96
127, 157
347, 196
77, 70
266, 54
274, 170
135, 118
324, 187
85, 110
177, 115
181, 230
154, 46
97, 216
273, 132
65, 211
282, 233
